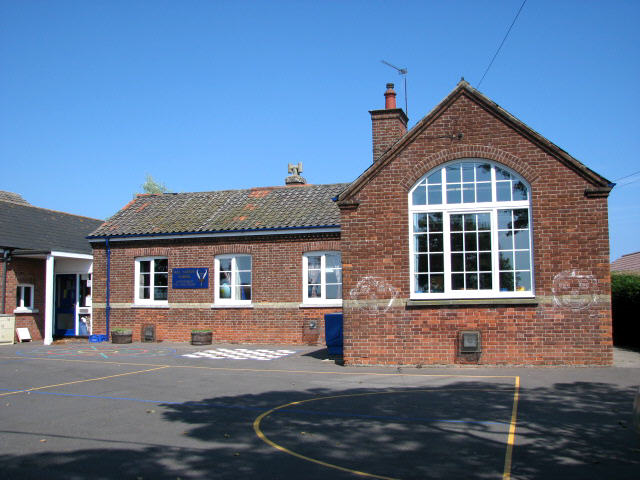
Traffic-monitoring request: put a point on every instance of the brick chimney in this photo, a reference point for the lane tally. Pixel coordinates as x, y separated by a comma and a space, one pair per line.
388, 125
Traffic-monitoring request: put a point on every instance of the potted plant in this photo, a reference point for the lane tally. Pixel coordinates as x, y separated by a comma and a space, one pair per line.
201, 337
121, 335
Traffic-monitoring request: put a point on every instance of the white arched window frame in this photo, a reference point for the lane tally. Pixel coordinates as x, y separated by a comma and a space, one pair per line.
470, 233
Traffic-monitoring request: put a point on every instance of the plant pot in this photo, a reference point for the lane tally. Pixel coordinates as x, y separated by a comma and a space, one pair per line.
121, 337
201, 338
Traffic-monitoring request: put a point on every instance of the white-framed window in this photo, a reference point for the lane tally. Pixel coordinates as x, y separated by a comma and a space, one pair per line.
470, 233
233, 279
322, 278
151, 281
24, 297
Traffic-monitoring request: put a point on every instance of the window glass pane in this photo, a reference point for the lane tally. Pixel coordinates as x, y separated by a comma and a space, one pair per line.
470, 241
521, 218
161, 265
313, 291
456, 242
485, 262
505, 240
314, 276
522, 260
453, 173
523, 281
471, 261
435, 222
472, 281
145, 279
422, 283
435, 177
457, 262
422, 243
468, 193
484, 241
160, 279
243, 278
225, 264
420, 223
453, 193
484, 221
469, 221
456, 223
160, 293
486, 281
502, 174
506, 260
145, 293
436, 284
333, 261
504, 219
333, 276
419, 195
503, 191
437, 263
483, 172
521, 239
243, 292
519, 191
435, 194
145, 266
27, 296
334, 292
457, 281
506, 282
243, 262
422, 263
467, 172
435, 242
18, 296
483, 192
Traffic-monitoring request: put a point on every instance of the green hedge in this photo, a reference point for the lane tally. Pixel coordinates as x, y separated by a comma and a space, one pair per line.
625, 305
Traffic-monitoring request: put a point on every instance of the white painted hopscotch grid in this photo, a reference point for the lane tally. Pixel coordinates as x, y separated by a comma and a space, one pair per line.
240, 354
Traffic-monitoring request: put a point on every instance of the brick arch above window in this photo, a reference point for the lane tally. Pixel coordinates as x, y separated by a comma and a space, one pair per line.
461, 152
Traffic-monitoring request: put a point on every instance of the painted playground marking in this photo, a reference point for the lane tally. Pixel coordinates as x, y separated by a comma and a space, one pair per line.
241, 354
100, 351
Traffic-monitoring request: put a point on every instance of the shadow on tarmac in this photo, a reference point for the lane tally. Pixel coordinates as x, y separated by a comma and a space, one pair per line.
577, 430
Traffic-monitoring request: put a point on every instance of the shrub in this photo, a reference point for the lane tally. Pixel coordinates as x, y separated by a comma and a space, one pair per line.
126, 331
625, 305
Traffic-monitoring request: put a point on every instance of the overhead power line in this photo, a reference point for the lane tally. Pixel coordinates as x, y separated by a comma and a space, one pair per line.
627, 176
502, 43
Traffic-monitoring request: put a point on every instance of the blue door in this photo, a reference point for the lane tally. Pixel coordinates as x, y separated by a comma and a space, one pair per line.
65, 307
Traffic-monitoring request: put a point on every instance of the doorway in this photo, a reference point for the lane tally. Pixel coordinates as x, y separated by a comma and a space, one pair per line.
72, 305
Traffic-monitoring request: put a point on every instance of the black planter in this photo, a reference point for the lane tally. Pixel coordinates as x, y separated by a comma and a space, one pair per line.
121, 337
201, 338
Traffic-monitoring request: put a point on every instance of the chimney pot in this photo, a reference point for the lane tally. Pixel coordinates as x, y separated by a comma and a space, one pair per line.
389, 97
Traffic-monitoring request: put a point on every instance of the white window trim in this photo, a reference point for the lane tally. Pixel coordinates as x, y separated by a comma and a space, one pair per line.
230, 302
322, 301
21, 308
137, 301
478, 207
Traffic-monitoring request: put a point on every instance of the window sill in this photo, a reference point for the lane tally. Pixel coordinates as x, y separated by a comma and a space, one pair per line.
26, 310
320, 305
232, 305
472, 301
148, 305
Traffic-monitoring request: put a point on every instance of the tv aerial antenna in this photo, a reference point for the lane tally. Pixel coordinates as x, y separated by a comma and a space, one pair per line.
403, 72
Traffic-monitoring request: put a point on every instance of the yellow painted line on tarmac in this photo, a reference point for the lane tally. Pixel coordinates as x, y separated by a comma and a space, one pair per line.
261, 370
26, 390
512, 432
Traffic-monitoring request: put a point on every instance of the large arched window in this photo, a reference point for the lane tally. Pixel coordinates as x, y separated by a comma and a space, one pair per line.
470, 224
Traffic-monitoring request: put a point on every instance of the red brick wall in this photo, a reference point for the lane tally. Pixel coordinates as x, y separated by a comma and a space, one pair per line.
32, 271
277, 278
570, 235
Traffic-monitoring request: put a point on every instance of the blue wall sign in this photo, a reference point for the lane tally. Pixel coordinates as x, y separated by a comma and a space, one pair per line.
190, 278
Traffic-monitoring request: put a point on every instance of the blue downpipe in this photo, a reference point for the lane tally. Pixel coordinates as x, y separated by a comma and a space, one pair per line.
108, 308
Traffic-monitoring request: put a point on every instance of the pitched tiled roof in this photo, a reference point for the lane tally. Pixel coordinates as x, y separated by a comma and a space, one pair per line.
229, 210
12, 197
25, 227
627, 263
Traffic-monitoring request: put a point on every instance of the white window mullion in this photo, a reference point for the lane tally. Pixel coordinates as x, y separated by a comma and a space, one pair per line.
446, 241
495, 255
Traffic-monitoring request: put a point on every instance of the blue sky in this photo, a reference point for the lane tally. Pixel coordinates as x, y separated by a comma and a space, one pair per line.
208, 95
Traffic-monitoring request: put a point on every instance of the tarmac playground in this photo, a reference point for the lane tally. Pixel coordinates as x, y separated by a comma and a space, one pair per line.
175, 411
